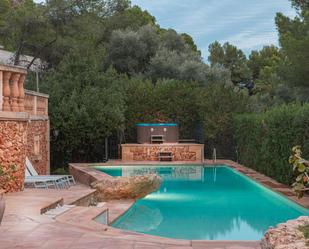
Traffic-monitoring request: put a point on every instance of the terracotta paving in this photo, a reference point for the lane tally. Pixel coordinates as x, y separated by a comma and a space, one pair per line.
24, 226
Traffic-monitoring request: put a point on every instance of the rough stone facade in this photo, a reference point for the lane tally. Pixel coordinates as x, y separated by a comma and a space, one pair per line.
37, 145
24, 128
13, 140
149, 152
286, 235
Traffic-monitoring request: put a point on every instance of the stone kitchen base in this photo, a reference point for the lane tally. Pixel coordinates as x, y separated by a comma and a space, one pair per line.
150, 152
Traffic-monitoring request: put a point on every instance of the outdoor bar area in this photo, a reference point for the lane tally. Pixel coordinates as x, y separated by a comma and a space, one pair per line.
160, 142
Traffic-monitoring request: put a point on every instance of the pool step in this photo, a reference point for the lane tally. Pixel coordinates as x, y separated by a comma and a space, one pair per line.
60, 209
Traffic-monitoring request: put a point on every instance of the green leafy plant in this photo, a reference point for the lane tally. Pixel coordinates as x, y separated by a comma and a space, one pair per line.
7, 174
305, 231
301, 166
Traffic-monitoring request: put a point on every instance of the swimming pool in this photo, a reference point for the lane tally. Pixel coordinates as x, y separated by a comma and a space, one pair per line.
204, 203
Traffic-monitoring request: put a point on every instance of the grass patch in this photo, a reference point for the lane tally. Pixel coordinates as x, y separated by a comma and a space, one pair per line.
305, 230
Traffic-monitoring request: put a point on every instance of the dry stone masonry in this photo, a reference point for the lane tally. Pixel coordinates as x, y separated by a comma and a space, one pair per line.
13, 151
149, 152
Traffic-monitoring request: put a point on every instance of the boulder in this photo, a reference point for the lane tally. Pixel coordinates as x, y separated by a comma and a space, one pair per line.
286, 235
135, 187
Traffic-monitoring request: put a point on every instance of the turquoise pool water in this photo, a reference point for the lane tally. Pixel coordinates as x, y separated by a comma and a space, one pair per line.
208, 203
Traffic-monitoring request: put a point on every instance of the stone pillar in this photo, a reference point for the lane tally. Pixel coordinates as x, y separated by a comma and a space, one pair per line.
14, 92
21, 99
6, 91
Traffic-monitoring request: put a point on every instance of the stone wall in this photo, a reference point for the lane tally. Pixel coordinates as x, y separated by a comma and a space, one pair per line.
24, 128
38, 145
149, 152
13, 140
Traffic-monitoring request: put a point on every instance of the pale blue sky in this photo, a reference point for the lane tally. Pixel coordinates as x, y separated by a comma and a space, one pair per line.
248, 24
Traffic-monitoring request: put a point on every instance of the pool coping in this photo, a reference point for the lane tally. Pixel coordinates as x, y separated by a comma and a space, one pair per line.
90, 174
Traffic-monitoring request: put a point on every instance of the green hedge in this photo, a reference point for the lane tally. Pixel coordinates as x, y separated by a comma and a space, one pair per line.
264, 141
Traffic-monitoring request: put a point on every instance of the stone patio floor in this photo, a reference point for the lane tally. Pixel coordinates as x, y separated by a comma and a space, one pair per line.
24, 226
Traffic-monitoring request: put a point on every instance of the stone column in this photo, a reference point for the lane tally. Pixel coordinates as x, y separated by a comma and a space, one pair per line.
14, 92
21, 99
6, 91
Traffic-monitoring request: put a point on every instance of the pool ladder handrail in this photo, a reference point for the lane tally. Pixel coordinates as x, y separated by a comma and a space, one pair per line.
214, 159
214, 155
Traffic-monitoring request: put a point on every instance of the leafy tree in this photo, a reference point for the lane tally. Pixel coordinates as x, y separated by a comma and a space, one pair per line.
268, 56
83, 101
131, 18
189, 41
165, 64
265, 65
300, 5
173, 41
294, 39
185, 66
26, 29
232, 58
130, 51
5, 6
78, 24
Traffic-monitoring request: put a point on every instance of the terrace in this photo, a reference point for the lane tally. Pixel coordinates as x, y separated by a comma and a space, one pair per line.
14, 99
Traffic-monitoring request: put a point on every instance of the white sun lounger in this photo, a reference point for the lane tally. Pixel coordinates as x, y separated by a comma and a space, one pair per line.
46, 181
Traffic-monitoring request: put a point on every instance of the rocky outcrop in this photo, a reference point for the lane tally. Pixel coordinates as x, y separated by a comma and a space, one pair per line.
286, 235
111, 188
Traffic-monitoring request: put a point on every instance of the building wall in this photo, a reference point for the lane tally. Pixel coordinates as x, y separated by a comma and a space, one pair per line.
13, 140
24, 128
38, 145
149, 152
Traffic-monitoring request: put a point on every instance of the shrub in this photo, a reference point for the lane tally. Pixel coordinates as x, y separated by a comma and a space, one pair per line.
264, 140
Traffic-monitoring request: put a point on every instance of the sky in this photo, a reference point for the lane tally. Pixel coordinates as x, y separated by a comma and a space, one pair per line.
248, 24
